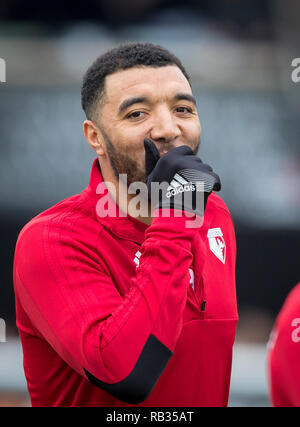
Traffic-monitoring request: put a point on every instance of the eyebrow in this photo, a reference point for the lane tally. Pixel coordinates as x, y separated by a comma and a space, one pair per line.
139, 99
131, 101
186, 97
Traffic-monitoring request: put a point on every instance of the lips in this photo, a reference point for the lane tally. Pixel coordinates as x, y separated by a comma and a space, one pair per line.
162, 153
165, 150
166, 147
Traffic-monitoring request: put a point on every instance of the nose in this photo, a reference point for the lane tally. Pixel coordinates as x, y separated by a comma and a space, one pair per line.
164, 128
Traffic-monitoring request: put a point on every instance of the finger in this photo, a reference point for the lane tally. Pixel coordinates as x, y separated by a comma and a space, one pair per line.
183, 150
217, 185
207, 167
151, 155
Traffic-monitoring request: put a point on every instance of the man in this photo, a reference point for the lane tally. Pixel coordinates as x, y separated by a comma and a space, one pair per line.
115, 309
284, 354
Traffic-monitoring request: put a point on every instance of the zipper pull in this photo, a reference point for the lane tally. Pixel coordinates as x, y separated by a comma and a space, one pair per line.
203, 305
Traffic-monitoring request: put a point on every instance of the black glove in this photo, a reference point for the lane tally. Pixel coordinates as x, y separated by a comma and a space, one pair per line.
190, 181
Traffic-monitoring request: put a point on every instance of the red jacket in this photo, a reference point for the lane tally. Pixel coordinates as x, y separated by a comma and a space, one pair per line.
284, 354
112, 312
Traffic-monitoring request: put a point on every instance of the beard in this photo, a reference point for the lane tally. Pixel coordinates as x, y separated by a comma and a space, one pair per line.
123, 164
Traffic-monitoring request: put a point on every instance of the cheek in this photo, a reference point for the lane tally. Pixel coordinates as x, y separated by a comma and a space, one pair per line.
126, 140
193, 130
133, 141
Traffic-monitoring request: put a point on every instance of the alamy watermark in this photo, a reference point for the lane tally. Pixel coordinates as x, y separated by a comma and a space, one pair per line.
296, 72
176, 200
2, 331
2, 71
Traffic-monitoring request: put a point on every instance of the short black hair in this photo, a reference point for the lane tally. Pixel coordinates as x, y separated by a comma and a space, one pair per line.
123, 57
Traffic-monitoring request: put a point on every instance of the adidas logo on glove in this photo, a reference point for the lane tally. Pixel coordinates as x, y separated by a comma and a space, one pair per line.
179, 185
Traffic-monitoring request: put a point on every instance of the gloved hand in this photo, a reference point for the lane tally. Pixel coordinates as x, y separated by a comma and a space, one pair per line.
190, 181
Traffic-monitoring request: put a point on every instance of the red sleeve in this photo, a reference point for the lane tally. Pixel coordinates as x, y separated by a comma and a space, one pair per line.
284, 353
121, 345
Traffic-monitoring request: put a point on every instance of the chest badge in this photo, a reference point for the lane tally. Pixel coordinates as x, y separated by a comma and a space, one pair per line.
217, 243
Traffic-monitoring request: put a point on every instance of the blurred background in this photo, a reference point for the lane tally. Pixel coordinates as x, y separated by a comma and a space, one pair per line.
239, 57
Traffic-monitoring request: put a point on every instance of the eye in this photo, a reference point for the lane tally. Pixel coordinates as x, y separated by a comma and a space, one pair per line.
135, 115
183, 110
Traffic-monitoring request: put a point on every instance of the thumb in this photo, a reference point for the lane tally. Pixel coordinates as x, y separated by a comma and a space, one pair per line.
151, 155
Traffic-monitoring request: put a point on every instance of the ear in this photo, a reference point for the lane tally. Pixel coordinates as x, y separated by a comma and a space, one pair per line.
94, 137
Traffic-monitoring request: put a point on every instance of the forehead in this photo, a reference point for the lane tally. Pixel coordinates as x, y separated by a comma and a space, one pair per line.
151, 81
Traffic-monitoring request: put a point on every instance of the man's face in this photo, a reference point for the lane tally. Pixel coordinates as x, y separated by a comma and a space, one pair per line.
146, 102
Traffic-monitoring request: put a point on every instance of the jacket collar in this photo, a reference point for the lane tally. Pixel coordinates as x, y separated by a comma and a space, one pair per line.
125, 227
